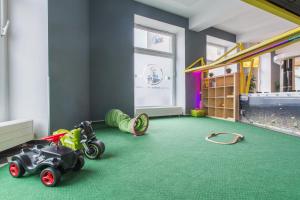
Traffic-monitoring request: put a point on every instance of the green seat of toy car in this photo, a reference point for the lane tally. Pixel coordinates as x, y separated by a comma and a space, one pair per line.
71, 139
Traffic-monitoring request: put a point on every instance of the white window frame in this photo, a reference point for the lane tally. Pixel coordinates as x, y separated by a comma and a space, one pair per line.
152, 52
3, 62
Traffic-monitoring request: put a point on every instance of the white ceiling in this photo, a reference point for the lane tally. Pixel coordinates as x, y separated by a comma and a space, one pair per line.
247, 22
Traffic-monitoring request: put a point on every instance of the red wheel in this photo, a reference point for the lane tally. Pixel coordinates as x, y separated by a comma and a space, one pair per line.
50, 177
16, 169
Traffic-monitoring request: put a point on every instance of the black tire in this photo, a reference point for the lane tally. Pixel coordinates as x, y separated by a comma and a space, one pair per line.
79, 164
102, 145
96, 149
50, 176
16, 169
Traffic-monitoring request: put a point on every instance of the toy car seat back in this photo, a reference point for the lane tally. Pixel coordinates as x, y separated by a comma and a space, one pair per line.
63, 153
72, 139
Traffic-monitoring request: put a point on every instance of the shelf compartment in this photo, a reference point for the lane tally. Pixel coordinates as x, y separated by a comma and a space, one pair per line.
219, 112
211, 102
229, 91
229, 80
211, 112
212, 83
219, 92
229, 103
204, 93
220, 81
229, 114
220, 103
211, 92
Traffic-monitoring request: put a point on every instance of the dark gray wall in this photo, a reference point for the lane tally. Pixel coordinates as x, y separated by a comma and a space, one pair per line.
160, 15
112, 69
91, 57
68, 62
195, 46
111, 57
111, 42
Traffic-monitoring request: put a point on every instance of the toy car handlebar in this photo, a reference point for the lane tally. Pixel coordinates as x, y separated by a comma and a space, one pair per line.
97, 121
53, 138
84, 124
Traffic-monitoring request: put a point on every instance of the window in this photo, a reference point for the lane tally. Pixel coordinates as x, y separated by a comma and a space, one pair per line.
215, 48
297, 78
296, 74
154, 63
153, 40
214, 51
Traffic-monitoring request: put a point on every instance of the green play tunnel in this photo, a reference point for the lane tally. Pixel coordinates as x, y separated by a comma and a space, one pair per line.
137, 126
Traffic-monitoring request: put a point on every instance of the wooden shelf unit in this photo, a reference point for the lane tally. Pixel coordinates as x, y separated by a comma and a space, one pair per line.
220, 96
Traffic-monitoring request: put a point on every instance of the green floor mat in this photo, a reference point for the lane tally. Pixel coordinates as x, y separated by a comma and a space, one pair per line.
174, 161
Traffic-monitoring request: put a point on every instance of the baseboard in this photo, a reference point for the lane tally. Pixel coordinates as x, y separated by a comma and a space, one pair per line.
160, 111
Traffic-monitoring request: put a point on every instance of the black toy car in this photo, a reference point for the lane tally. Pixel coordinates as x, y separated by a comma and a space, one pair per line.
50, 161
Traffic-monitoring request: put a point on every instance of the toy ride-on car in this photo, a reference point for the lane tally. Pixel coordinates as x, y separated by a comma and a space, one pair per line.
82, 138
51, 161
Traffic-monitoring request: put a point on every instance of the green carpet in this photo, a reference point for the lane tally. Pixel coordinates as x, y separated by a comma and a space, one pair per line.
173, 161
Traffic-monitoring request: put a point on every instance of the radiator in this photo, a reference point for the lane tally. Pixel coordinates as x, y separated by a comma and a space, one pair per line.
13, 133
160, 111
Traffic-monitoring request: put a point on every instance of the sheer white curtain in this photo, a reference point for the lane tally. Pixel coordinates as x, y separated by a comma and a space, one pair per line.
3, 65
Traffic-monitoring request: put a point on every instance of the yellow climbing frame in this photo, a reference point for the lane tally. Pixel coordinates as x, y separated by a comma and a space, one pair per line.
266, 46
200, 62
247, 55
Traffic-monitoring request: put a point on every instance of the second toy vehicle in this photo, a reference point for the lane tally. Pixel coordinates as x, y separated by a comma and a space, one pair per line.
83, 138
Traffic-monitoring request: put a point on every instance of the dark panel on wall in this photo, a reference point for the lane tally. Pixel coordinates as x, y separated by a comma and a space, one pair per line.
112, 72
68, 62
195, 47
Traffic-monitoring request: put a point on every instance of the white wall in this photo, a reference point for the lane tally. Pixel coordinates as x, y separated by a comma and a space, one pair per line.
3, 71
180, 67
28, 63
